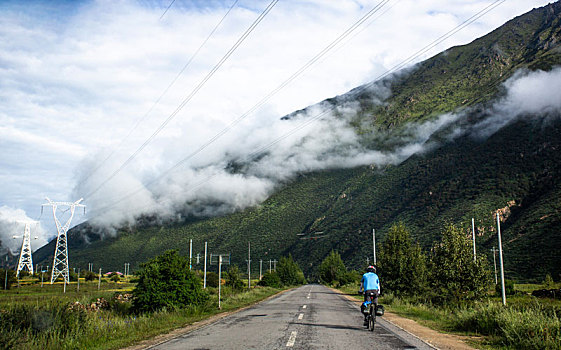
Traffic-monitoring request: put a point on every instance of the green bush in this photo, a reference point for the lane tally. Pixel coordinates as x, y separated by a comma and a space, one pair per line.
90, 276
166, 281
56, 319
289, 272
270, 279
527, 327
115, 278
509, 288
24, 273
233, 278
212, 279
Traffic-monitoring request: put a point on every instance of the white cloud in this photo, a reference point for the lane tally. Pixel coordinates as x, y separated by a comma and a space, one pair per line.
528, 95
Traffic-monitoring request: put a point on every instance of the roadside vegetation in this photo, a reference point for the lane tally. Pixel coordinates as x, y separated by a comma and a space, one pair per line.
448, 290
163, 295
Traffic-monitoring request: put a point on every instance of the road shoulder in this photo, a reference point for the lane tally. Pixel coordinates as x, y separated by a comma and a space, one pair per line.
434, 338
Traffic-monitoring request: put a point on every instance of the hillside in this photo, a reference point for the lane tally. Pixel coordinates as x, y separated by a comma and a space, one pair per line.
518, 168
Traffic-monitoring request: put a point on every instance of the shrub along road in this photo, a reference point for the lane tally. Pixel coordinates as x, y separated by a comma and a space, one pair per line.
308, 317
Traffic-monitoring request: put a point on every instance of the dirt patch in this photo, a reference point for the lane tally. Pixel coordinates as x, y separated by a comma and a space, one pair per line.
439, 340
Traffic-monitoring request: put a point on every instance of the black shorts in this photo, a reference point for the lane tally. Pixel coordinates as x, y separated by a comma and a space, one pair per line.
367, 294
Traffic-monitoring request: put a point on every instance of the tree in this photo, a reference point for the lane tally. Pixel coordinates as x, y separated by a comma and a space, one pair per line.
289, 272
166, 281
455, 276
233, 278
332, 269
402, 265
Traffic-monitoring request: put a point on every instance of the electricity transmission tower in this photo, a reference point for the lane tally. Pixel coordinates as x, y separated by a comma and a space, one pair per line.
25, 259
60, 260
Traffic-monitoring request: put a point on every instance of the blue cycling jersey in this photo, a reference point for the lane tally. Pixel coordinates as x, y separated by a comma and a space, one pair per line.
370, 281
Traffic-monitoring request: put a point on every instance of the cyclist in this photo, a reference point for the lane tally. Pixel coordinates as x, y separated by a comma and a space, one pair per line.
369, 284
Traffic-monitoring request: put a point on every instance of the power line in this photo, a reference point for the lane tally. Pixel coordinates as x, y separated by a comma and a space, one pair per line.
140, 120
318, 116
190, 96
167, 9
259, 104
381, 76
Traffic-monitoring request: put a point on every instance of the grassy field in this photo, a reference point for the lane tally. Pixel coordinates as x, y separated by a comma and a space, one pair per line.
525, 323
35, 317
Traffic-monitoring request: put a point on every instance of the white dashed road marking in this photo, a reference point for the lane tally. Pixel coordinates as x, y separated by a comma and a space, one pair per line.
301, 316
292, 339
303, 307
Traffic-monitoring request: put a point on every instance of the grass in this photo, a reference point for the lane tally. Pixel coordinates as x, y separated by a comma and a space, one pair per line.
32, 317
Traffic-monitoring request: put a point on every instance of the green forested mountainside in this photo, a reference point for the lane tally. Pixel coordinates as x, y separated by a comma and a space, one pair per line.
466, 75
516, 169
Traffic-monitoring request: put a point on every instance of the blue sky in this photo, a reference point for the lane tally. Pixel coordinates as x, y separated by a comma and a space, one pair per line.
75, 77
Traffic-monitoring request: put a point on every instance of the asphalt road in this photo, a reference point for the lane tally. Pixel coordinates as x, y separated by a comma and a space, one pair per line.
309, 317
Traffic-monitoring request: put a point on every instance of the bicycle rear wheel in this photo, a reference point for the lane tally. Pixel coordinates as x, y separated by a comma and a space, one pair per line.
371, 318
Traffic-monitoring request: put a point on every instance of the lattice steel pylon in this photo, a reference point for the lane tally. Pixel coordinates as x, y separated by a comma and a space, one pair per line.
60, 260
25, 258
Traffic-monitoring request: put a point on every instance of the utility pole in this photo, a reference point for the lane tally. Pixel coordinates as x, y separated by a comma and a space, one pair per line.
275, 265
60, 260
260, 269
495, 263
367, 261
473, 235
270, 264
204, 278
221, 260
78, 288
190, 254
501, 259
249, 265
374, 244
99, 280
198, 258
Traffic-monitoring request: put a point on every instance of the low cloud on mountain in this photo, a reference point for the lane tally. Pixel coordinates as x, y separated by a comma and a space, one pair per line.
225, 179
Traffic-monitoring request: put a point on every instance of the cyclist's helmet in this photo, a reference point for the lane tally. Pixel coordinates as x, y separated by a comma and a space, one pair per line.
371, 268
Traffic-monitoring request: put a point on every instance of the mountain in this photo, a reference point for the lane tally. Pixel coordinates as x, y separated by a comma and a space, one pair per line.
464, 171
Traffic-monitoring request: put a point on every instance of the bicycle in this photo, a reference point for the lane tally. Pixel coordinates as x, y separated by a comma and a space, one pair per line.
369, 310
